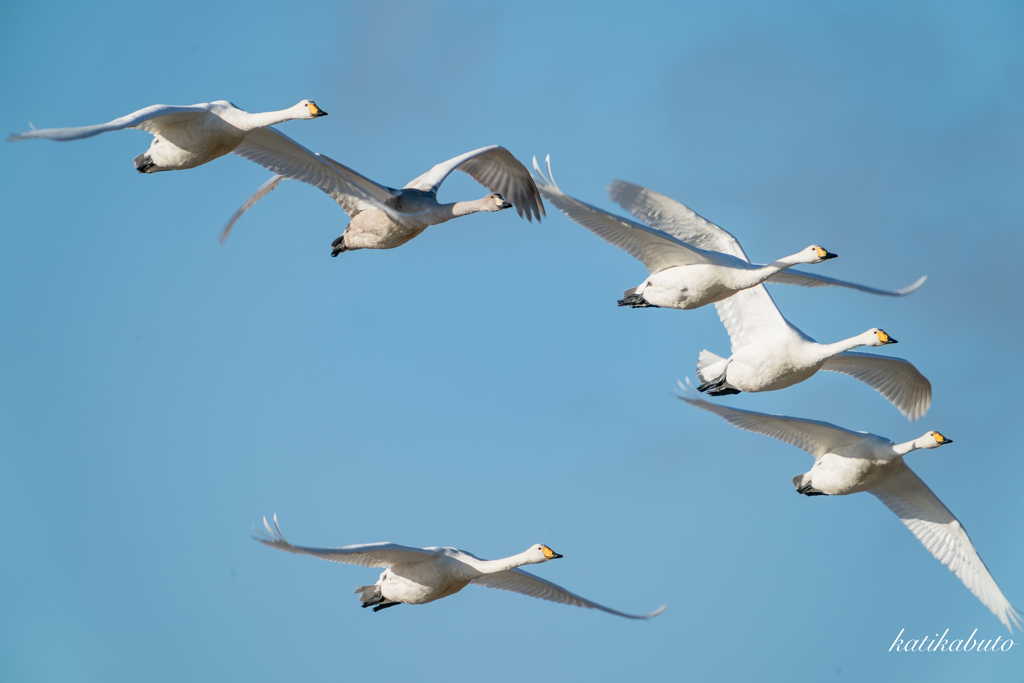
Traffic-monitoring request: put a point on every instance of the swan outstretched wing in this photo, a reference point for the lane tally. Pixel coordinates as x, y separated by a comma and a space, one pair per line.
896, 379
941, 533
367, 555
151, 119
518, 581
655, 249
802, 279
678, 220
817, 438
495, 168
751, 315
261, 192
665, 213
277, 152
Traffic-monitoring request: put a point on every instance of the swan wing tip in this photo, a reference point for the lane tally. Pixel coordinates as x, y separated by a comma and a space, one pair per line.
911, 288
272, 536
656, 612
14, 137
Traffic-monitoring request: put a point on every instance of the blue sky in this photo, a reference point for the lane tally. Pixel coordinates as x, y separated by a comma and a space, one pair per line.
478, 387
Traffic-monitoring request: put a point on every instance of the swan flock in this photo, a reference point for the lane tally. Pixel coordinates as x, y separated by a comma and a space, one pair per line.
690, 263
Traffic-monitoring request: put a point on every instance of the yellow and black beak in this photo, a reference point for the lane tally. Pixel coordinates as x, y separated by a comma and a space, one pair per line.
885, 338
549, 553
825, 254
941, 440
316, 111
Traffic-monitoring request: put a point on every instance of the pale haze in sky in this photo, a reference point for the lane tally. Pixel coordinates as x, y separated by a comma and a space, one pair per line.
478, 387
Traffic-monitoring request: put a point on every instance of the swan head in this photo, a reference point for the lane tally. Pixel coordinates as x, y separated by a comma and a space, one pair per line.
495, 202
309, 110
816, 254
878, 337
933, 440
541, 553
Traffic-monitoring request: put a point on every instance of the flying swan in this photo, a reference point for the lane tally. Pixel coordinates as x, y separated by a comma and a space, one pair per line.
189, 136
415, 576
769, 353
382, 217
690, 262
848, 462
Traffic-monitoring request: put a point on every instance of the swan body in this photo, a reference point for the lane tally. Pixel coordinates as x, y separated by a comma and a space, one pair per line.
185, 136
769, 353
382, 217
374, 229
690, 261
847, 462
700, 284
416, 576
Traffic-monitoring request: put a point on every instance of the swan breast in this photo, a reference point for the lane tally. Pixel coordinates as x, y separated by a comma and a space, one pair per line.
837, 474
772, 364
423, 582
374, 229
190, 143
687, 287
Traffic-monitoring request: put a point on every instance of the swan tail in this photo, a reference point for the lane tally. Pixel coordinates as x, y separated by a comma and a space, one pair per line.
370, 595
711, 371
631, 298
710, 367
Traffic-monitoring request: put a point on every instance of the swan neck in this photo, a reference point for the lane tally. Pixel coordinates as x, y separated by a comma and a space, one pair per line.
785, 262
764, 272
834, 349
502, 565
267, 118
904, 448
461, 209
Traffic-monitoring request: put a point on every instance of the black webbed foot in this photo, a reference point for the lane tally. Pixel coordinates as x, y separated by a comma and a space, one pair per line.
338, 245
636, 301
809, 490
716, 387
143, 163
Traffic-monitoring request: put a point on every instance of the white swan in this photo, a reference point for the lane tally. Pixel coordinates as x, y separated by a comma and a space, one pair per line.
769, 353
849, 462
415, 576
680, 274
187, 136
383, 217
677, 220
